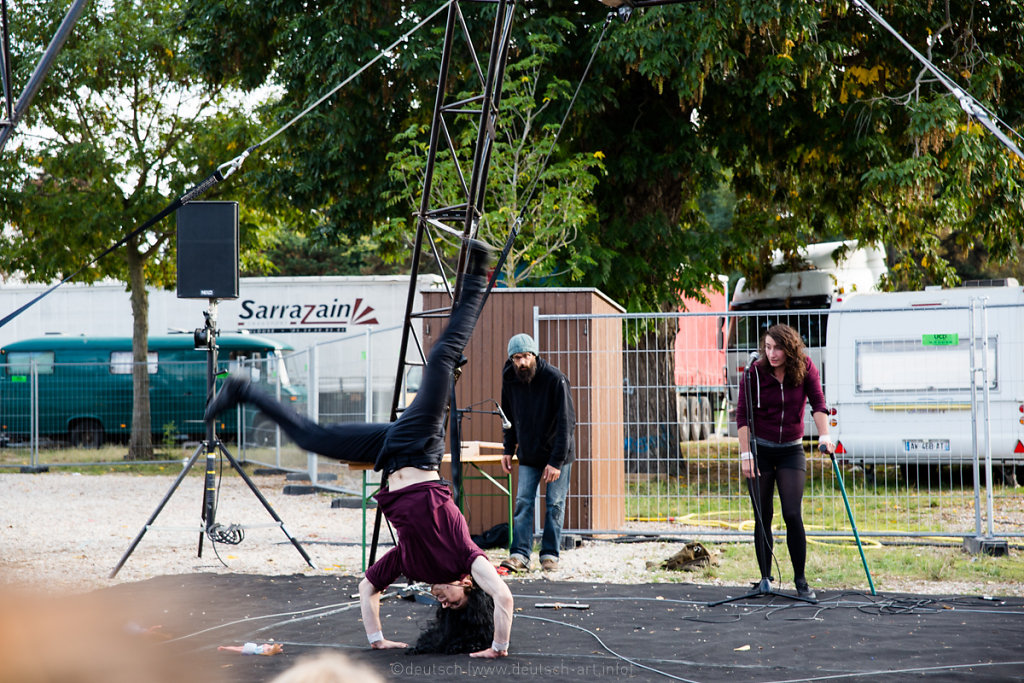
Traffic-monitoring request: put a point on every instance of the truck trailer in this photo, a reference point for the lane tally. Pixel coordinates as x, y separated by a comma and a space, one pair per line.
800, 299
299, 312
700, 374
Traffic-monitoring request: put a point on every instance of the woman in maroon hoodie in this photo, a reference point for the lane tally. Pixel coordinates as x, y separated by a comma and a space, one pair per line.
780, 383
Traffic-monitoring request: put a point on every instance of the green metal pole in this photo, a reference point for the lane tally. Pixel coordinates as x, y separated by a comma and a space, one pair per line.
853, 525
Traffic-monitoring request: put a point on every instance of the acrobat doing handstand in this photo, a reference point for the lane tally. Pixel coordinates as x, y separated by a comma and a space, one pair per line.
434, 544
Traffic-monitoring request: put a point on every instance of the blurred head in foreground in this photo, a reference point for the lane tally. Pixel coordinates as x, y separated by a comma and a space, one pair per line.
328, 667
89, 639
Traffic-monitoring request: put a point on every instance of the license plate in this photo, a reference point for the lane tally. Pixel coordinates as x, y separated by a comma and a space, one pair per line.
926, 445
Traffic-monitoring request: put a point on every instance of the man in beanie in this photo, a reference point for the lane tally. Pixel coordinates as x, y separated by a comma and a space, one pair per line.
535, 397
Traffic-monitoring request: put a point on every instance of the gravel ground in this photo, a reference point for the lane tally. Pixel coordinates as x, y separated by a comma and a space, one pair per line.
67, 532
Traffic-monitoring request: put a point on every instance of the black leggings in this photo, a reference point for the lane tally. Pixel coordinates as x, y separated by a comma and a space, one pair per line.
416, 438
779, 466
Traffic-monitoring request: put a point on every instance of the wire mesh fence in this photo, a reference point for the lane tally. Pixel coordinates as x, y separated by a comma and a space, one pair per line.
344, 380
681, 374
656, 430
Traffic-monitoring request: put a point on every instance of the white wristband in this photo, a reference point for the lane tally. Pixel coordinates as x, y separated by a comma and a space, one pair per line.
375, 637
746, 455
826, 439
499, 647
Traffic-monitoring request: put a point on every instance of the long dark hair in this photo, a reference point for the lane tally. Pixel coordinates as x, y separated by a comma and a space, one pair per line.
458, 631
796, 360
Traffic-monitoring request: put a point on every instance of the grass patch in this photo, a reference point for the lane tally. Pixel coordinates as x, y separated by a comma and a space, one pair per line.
103, 460
167, 460
840, 568
710, 493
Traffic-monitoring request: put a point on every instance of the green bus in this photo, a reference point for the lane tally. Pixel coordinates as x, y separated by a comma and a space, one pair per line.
83, 392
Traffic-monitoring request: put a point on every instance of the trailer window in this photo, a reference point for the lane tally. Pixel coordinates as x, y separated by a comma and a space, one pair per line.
121, 362
20, 362
746, 332
907, 365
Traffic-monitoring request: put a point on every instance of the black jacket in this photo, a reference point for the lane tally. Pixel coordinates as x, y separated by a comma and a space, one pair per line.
542, 416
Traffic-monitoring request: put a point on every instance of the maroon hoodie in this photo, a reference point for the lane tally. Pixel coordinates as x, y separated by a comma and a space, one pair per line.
779, 407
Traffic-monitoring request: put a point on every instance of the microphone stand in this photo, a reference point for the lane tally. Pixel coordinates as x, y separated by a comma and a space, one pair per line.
764, 586
206, 337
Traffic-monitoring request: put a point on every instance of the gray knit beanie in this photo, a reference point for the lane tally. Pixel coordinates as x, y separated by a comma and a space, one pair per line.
521, 343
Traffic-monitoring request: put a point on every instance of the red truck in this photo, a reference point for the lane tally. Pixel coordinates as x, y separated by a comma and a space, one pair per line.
700, 365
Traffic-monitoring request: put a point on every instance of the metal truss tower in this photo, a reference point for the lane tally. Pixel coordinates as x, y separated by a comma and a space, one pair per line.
461, 219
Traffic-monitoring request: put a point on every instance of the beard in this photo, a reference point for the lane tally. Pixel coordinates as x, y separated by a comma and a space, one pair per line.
526, 374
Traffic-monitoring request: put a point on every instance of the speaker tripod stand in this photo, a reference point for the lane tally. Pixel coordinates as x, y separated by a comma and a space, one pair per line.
211, 448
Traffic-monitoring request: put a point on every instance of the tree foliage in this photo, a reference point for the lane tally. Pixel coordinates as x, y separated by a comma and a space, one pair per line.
334, 160
120, 128
820, 124
829, 127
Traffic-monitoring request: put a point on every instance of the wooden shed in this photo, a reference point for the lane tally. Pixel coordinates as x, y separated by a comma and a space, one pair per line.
589, 351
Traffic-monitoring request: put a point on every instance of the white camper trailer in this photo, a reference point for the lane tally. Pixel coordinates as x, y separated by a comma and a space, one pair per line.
900, 369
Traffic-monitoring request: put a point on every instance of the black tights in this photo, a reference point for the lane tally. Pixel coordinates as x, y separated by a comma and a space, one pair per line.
416, 438
791, 495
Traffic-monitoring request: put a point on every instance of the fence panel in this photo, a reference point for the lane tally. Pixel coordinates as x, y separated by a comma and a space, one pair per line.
84, 410
679, 451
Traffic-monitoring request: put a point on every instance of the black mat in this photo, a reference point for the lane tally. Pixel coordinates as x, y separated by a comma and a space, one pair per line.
628, 632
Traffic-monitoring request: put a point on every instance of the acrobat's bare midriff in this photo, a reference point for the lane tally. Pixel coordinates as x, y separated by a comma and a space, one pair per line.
406, 476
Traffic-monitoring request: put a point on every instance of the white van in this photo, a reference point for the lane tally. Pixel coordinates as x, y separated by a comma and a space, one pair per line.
800, 299
898, 381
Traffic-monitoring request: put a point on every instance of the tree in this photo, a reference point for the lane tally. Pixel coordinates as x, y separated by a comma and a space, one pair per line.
302, 252
121, 128
341, 149
830, 128
334, 160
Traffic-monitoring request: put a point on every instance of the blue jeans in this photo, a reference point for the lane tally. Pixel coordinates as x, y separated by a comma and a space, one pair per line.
522, 526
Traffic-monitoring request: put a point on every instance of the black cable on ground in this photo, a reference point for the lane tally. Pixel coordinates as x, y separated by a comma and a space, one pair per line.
596, 637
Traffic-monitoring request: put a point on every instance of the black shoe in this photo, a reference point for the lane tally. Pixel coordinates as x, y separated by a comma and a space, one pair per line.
805, 591
230, 395
478, 261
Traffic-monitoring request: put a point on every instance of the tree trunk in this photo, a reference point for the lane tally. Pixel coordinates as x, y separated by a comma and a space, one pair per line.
652, 428
140, 446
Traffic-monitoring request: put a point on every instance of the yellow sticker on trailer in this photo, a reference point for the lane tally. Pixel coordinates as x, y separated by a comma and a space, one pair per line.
940, 339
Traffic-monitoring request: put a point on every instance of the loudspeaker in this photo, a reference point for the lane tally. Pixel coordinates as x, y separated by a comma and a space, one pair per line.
208, 250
